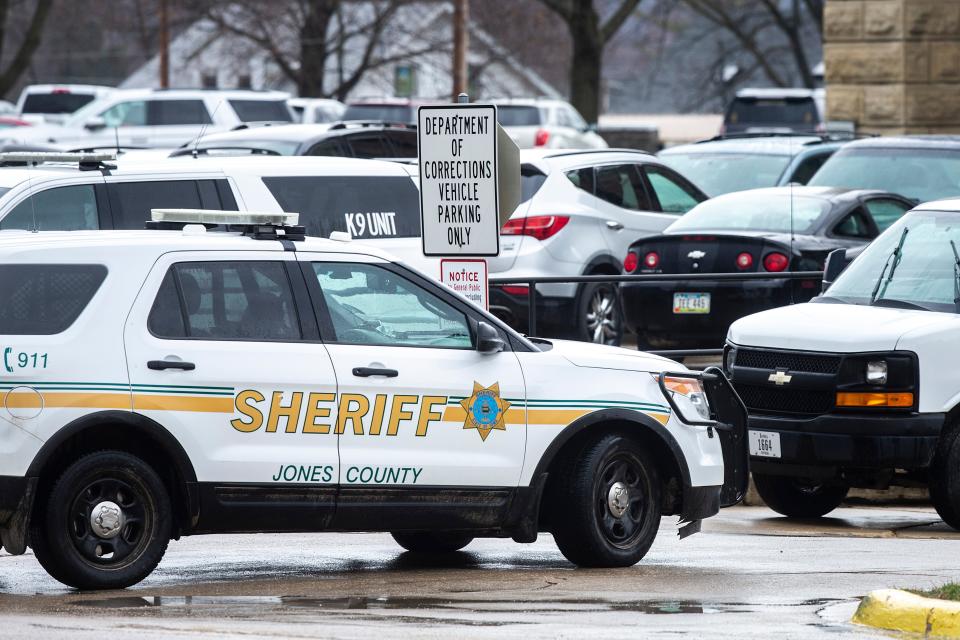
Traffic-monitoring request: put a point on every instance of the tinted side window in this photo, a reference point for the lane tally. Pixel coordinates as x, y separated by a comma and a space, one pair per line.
262, 110
885, 212
674, 195
368, 304
582, 178
808, 167
369, 146
620, 185
225, 301
404, 143
332, 147
131, 202
854, 225
70, 208
177, 112
366, 207
45, 299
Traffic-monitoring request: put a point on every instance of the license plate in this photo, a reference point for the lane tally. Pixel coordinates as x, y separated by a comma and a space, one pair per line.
691, 303
764, 444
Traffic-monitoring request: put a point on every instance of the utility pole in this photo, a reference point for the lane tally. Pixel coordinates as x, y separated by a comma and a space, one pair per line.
164, 45
461, 44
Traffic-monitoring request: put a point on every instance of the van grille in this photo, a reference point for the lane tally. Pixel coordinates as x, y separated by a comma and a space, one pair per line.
773, 360
777, 400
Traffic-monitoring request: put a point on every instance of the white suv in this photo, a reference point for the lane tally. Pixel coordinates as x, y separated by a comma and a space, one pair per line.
374, 201
176, 382
546, 124
581, 211
157, 117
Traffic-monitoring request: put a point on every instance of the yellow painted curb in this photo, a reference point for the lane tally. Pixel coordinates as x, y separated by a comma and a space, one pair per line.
903, 611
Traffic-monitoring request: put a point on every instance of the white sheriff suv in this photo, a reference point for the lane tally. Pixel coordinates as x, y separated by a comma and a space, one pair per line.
180, 381
859, 387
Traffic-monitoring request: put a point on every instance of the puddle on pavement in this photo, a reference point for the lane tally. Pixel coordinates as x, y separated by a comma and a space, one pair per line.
250, 603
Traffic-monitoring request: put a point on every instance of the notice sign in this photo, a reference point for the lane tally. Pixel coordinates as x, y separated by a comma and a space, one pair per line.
468, 278
458, 180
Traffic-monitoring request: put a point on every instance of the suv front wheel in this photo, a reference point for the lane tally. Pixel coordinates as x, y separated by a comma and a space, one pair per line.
105, 523
599, 318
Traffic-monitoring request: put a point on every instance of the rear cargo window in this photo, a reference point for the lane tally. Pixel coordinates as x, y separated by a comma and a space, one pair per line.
45, 299
366, 207
262, 110
60, 102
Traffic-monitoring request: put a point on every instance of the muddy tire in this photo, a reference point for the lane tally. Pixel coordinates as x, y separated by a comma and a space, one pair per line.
431, 541
599, 316
610, 494
945, 477
799, 498
105, 523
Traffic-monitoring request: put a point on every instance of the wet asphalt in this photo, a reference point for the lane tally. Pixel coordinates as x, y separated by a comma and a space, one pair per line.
749, 574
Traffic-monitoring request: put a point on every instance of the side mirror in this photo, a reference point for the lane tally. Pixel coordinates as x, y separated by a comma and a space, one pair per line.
488, 339
95, 124
837, 261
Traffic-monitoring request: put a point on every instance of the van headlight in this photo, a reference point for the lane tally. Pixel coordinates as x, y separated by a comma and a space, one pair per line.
687, 397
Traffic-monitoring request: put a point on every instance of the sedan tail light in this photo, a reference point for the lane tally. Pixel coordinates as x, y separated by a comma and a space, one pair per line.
630, 262
775, 262
539, 227
541, 138
744, 260
651, 260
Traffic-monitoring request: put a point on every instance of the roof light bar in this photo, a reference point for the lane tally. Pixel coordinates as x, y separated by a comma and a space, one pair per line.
208, 216
56, 156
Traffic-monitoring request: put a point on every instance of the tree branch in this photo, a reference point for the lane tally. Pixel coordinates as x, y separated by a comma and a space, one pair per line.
31, 40
615, 21
563, 8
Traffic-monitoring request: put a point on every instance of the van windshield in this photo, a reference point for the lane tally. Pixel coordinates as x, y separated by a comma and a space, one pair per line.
923, 274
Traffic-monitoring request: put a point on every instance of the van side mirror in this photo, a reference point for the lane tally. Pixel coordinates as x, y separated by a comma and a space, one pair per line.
96, 123
488, 339
837, 261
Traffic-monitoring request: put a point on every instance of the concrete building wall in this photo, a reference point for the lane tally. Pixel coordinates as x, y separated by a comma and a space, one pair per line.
893, 66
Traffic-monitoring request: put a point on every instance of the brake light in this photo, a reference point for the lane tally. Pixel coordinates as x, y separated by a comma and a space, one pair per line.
539, 227
59, 92
744, 260
775, 262
541, 138
651, 260
516, 289
630, 262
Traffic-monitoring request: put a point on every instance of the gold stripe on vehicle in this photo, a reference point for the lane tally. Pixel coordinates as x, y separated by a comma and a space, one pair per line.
151, 402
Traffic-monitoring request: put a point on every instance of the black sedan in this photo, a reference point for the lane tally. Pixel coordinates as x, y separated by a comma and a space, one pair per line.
763, 230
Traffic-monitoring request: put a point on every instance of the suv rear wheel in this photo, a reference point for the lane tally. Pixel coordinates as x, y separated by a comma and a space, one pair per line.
611, 497
799, 497
945, 477
105, 523
599, 318
431, 541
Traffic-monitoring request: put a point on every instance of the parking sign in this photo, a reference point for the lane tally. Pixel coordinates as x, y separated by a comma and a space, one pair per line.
458, 180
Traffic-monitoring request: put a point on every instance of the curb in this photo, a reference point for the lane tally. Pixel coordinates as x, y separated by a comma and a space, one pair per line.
903, 611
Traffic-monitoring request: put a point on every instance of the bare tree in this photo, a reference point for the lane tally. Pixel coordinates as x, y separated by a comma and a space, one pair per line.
23, 52
750, 23
589, 35
302, 37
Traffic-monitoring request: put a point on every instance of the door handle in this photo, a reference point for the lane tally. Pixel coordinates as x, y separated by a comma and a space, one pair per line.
160, 365
366, 372
614, 225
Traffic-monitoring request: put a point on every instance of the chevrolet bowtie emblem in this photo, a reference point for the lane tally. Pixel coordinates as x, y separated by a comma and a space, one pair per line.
780, 378
696, 254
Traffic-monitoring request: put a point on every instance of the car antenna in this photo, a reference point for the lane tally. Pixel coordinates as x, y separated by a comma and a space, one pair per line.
203, 130
116, 138
792, 289
33, 204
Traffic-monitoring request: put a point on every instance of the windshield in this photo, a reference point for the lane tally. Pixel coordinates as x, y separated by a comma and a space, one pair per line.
921, 174
719, 173
758, 211
924, 273
510, 116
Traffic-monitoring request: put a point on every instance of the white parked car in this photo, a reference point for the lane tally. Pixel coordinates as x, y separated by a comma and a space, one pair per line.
176, 382
316, 110
374, 201
54, 103
581, 211
547, 124
156, 118
860, 387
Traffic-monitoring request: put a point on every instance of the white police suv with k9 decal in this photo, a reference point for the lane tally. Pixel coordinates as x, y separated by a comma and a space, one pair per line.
179, 380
